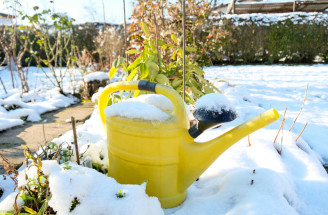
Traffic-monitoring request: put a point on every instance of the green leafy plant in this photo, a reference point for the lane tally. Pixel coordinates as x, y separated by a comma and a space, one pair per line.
97, 166
120, 194
75, 203
36, 193
67, 166
149, 65
52, 151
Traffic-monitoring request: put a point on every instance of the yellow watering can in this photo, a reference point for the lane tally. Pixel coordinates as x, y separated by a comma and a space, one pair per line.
165, 152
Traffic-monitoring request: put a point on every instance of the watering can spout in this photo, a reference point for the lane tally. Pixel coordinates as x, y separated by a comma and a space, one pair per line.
197, 157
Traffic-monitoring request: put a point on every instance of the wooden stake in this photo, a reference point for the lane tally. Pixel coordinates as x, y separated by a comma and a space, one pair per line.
75, 141
301, 131
281, 125
184, 47
44, 133
158, 57
3, 86
305, 97
282, 135
125, 38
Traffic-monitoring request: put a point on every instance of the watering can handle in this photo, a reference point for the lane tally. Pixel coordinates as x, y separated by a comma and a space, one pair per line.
178, 105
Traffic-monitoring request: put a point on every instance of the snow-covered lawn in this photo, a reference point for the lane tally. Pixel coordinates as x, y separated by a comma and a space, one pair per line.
245, 179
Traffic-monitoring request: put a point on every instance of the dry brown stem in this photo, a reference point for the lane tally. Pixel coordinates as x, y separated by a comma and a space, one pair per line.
75, 142
282, 133
282, 124
301, 131
158, 54
11, 171
305, 97
249, 142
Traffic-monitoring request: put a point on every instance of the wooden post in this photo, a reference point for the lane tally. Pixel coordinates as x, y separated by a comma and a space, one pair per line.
75, 141
158, 56
125, 39
184, 47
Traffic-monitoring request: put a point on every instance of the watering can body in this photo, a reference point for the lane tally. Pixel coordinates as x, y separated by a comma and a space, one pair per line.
163, 152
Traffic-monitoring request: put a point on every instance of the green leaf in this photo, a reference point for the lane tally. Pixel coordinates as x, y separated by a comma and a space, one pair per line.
197, 70
124, 67
136, 93
45, 62
73, 58
145, 29
162, 79
161, 43
190, 49
23, 37
174, 38
152, 74
144, 70
176, 82
43, 207
196, 92
153, 47
208, 90
112, 72
174, 55
152, 66
181, 52
133, 51
135, 64
117, 62
132, 74
30, 210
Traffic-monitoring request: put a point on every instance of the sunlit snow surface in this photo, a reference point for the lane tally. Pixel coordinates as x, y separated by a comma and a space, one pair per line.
245, 179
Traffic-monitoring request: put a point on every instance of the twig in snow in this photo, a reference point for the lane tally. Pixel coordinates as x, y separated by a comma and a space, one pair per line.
301, 131
3, 86
249, 142
282, 123
305, 97
282, 133
75, 141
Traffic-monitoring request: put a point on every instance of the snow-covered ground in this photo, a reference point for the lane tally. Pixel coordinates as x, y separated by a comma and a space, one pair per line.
245, 179
16, 108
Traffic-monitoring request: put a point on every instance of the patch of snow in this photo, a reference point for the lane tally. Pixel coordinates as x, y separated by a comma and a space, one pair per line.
214, 102
8, 123
95, 192
158, 100
137, 110
43, 97
274, 18
245, 179
96, 76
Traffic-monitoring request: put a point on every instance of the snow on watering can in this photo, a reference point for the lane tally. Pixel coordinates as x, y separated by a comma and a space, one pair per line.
164, 152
